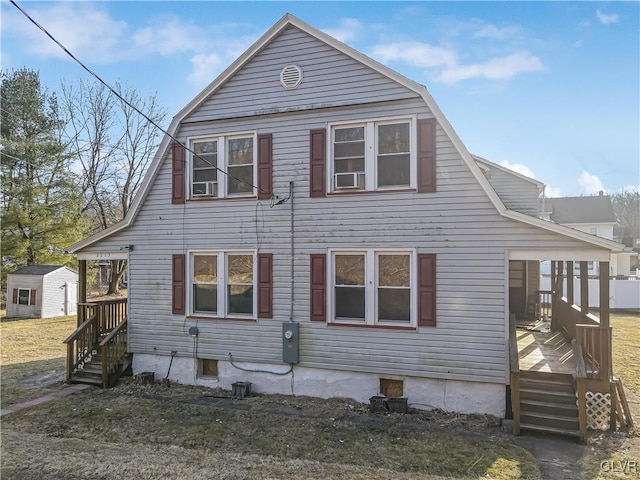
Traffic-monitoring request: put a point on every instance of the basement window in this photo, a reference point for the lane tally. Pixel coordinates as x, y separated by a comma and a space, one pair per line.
208, 367
391, 388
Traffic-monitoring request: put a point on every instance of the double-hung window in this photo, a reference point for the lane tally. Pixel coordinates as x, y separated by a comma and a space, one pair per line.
222, 284
373, 155
234, 154
373, 287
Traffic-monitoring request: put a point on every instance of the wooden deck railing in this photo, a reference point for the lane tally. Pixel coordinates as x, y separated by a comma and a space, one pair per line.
114, 348
581, 388
596, 350
104, 330
81, 344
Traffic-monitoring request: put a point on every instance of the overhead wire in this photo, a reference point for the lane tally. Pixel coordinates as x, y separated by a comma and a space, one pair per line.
129, 104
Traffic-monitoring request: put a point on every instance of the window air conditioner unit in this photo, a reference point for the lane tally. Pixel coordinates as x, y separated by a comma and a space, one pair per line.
205, 189
347, 180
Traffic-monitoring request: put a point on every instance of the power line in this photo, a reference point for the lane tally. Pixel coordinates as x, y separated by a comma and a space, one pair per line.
126, 102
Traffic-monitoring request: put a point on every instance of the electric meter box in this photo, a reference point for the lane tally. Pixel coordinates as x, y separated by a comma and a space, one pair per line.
290, 342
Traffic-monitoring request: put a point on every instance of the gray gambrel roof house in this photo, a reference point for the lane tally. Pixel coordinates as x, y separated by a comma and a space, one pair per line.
314, 211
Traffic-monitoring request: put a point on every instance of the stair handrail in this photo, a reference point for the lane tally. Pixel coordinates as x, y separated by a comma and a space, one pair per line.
77, 351
581, 387
111, 357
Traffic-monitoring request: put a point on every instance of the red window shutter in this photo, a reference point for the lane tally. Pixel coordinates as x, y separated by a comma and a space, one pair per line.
427, 155
265, 166
178, 184
318, 152
178, 287
265, 285
427, 290
32, 299
15, 296
318, 287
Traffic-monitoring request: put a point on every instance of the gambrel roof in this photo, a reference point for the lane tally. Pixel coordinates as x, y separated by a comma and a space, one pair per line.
291, 21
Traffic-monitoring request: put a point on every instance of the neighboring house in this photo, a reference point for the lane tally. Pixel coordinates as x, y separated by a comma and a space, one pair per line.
593, 215
355, 244
41, 291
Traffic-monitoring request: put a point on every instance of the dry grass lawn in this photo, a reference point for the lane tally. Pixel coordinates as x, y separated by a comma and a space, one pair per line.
149, 432
33, 356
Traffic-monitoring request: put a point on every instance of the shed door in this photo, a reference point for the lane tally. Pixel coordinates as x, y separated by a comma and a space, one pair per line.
71, 298
517, 286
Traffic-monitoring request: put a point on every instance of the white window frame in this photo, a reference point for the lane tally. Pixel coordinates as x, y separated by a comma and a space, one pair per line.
371, 285
223, 163
28, 297
371, 152
222, 284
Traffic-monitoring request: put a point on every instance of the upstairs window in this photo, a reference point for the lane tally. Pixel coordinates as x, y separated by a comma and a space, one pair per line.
373, 155
235, 155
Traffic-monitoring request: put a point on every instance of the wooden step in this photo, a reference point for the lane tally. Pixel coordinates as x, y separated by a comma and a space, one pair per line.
549, 420
558, 385
547, 396
555, 430
87, 379
568, 409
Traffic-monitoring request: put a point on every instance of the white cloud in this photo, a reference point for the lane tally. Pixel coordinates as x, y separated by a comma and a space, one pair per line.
502, 68
347, 31
85, 29
552, 192
206, 68
491, 31
519, 168
590, 184
169, 35
416, 54
607, 18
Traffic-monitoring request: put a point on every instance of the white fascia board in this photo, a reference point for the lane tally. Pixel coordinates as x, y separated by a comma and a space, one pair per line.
582, 255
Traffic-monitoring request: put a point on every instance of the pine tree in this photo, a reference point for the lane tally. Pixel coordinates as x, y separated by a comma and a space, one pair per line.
41, 196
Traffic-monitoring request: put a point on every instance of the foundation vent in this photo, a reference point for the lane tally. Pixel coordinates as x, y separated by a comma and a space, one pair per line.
291, 77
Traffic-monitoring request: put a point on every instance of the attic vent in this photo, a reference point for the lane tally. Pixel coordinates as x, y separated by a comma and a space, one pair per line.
291, 77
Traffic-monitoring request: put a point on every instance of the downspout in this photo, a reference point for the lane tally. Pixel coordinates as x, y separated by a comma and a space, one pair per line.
292, 250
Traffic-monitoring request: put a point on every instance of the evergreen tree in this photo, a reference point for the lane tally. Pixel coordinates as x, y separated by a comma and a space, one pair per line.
41, 196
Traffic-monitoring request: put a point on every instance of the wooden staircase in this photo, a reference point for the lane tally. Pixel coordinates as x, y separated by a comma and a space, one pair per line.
548, 403
97, 350
91, 372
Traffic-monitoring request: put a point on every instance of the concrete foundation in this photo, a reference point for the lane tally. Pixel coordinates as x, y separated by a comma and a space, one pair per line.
423, 393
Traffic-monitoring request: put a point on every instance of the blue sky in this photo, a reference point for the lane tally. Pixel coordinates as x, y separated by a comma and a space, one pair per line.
551, 89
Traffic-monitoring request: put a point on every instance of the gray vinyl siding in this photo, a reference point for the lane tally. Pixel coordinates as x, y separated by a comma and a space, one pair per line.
516, 193
458, 223
330, 79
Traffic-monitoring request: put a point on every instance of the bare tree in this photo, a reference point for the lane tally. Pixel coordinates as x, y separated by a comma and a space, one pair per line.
114, 146
626, 206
